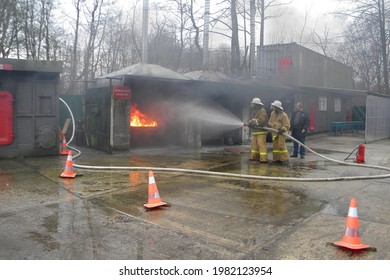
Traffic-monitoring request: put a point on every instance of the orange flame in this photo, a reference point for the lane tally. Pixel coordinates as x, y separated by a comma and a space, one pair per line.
139, 119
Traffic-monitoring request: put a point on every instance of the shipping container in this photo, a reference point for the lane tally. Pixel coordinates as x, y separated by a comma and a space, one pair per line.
295, 65
32, 118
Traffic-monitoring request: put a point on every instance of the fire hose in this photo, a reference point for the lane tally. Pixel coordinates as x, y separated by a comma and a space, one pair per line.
239, 176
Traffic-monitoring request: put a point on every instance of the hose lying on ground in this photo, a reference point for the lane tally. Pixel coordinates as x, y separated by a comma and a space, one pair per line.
241, 176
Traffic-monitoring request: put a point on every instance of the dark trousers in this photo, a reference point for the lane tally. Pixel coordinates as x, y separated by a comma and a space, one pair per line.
301, 138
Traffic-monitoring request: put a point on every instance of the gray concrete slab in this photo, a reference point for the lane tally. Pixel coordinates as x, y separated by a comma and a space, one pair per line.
100, 215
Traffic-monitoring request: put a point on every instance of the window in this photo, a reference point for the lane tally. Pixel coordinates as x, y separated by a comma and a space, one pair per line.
323, 104
337, 105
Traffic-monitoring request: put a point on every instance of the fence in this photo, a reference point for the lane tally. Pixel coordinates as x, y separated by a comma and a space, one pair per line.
377, 118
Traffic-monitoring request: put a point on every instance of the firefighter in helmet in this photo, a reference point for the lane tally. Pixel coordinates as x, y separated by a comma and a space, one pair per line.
279, 121
259, 118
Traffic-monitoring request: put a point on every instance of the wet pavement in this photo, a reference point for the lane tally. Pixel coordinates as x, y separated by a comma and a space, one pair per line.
100, 214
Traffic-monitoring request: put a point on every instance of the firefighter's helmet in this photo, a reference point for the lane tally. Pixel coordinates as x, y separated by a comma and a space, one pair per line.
257, 100
277, 103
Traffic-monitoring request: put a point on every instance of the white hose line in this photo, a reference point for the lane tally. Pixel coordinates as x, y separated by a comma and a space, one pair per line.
240, 176
328, 158
258, 177
73, 123
232, 175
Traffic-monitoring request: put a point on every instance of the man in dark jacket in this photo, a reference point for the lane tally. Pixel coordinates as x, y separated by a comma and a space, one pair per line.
299, 125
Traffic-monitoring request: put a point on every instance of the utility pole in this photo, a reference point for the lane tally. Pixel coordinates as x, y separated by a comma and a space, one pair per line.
252, 57
145, 25
206, 35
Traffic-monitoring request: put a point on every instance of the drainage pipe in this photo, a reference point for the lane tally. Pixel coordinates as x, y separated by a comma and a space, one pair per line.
242, 176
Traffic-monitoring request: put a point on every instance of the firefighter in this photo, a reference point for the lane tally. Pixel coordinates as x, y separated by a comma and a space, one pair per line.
279, 121
259, 118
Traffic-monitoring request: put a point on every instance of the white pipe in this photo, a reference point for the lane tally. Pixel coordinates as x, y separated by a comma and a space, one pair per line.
243, 176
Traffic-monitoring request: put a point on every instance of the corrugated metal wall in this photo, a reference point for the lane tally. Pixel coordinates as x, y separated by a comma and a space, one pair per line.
98, 118
35, 118
268, 61
377, 118
33, 86
308, 68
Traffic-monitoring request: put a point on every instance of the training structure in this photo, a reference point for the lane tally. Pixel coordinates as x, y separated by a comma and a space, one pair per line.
29, 108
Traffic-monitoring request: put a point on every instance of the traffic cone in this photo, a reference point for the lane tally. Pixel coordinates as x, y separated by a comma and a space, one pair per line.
68, 172
64, 148
351, 237
153, 194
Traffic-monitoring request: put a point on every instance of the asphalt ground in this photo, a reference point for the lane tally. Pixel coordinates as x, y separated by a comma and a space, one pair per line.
100, 214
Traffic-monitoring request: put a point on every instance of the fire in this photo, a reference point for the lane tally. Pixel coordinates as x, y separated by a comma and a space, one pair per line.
139, 119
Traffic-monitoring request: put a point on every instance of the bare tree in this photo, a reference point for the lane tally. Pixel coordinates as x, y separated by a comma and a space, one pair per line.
181, 23
235, 44
373, 13
220, 59
323, 41
163, 44
8, 26
268, 9
192, 13
74, 63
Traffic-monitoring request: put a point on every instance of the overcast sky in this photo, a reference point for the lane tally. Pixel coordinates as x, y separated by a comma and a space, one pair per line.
305, 16
291, 26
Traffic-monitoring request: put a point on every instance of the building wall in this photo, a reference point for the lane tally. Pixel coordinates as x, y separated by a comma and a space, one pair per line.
35, 113
328, 106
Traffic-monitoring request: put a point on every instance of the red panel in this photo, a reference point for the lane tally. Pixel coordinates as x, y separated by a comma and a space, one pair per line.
6, 67
312, 117
285, 62
6, 118
121, 92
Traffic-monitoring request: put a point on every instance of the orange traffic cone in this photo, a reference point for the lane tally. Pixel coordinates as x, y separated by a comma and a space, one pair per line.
64, 148
68, 172
351, 237
153, 194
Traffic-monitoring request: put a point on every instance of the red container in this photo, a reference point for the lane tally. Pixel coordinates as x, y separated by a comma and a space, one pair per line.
6, 117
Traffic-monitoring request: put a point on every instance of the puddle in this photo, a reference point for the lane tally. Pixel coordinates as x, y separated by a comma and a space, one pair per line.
232, 213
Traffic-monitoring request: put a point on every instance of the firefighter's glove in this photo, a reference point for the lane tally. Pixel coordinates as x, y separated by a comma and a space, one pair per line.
280, 131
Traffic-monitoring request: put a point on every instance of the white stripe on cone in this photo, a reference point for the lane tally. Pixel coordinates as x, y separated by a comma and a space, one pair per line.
151, 180
352, 212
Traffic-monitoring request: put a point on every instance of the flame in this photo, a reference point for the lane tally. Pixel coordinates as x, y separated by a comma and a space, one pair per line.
139, 119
